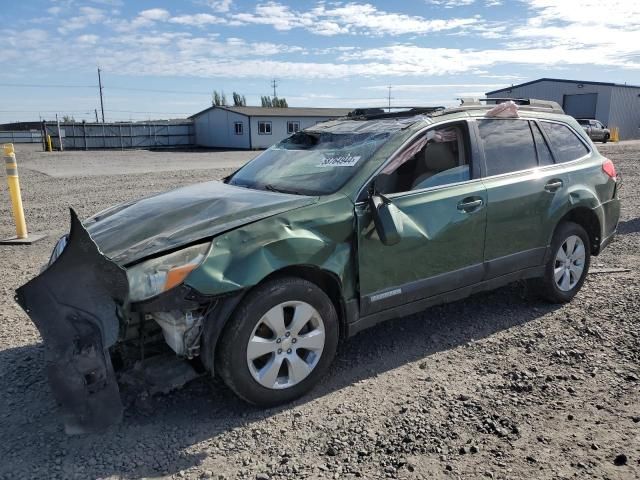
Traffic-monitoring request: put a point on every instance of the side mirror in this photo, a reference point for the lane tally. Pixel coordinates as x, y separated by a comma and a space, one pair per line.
386, 218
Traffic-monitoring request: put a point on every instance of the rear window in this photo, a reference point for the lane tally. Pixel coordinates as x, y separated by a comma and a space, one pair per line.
565, 144
508, 146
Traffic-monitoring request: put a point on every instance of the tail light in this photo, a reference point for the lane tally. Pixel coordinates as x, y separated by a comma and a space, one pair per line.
609, 168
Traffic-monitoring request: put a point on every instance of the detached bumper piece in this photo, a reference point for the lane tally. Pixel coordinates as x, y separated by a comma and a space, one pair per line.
74, 303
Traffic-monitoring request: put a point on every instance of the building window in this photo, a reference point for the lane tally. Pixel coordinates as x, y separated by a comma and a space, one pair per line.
239, 128
293, 127
264, 128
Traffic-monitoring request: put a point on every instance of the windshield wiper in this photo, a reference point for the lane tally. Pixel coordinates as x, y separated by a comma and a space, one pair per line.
271, 188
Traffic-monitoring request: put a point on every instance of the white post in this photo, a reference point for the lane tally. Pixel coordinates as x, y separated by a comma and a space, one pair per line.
59, 136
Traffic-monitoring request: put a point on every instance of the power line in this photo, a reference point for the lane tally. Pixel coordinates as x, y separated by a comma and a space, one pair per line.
35, 85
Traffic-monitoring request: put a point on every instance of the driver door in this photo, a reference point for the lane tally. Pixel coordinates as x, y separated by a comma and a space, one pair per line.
440, 200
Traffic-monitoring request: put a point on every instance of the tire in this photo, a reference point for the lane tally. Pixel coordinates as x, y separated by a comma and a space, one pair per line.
571, 277
278, 376
606, 138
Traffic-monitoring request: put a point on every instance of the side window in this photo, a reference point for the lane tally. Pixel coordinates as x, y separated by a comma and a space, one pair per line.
438, 157
508, 145
544, 154
565, 144
238, 126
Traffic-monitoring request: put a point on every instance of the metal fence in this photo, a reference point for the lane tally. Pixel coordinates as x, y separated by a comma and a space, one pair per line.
85, 136
21, 137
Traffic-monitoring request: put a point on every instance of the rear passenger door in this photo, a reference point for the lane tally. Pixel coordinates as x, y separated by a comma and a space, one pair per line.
523, 184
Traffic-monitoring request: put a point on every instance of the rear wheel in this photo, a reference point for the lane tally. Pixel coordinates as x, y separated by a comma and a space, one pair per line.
568, 264
279, 342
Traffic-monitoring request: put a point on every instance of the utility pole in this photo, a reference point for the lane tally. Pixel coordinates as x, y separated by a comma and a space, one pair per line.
274, 84
390, 97
101, 103
96, 110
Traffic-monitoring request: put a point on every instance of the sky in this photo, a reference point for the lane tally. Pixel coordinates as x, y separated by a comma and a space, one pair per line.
162, 59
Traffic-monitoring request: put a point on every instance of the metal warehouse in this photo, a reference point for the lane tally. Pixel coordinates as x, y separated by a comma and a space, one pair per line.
255, 127
615, 105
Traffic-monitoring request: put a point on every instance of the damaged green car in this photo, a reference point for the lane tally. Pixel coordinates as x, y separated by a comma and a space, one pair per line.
334, 229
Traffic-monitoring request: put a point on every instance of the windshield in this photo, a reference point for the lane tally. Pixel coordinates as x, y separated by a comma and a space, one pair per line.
310, 162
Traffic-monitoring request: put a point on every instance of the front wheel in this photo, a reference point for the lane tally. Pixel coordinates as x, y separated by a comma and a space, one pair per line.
568, 265
606, 138
279, 342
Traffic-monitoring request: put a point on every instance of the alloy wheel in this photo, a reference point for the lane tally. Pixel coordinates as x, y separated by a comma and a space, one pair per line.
569, 263
286, 345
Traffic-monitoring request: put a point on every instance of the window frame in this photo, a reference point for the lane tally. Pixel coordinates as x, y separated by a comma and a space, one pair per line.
290, 123
475, 165
574, 131
555, 164
265, 122
235, 127
546, 141
515, 172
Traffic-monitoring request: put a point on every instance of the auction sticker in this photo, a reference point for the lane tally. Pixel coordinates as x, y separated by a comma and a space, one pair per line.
346, 160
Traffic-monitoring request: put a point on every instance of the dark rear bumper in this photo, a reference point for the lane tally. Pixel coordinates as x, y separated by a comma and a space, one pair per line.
75, 304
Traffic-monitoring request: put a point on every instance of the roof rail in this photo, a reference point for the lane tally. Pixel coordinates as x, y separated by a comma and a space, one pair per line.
523, 103
375, 113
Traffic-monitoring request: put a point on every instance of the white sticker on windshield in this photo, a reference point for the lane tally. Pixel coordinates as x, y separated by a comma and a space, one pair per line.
346, 160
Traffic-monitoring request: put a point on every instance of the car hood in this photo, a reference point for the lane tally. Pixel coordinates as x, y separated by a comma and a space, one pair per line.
132, 231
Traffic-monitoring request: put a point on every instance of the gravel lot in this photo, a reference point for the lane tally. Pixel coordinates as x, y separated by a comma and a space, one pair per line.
496, 386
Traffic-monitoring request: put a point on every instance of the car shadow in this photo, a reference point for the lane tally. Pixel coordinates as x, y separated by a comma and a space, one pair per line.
154, 437
629, 226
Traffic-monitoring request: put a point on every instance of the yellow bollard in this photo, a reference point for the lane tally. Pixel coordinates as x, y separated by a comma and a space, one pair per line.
14, 190
615, 134
16, 198
49, 149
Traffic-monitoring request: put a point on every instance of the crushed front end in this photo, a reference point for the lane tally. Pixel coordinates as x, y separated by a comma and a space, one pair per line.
90, 310
77, 303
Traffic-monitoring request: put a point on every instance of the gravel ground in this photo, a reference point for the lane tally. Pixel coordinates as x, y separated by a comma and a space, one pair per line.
495, 386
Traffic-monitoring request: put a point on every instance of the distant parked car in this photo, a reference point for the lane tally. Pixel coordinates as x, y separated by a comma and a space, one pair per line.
596, 130
338, 227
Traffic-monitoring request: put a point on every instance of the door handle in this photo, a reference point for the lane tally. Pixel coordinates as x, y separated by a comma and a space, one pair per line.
553, 185
468, 205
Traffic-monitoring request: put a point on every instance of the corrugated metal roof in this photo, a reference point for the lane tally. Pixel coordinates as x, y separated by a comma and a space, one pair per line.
282, 112
561, 80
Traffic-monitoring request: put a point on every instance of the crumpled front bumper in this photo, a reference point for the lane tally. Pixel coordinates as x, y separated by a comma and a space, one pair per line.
76, 303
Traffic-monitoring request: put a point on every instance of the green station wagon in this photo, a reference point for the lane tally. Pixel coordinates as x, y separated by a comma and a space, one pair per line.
337, 228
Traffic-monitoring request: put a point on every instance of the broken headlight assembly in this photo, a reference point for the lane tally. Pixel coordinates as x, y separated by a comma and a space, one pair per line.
152, 277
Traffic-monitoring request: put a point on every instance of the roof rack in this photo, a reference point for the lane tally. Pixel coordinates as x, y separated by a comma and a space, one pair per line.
531, 104
376, 113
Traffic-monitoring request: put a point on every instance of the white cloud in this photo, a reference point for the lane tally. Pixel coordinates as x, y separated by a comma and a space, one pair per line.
352, 18
609, 30
220, 6
451, 3
154, 14
145, 18
88, 16
197, 20
88, 39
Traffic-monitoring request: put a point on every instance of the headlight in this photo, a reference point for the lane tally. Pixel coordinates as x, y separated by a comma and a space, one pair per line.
155, 276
